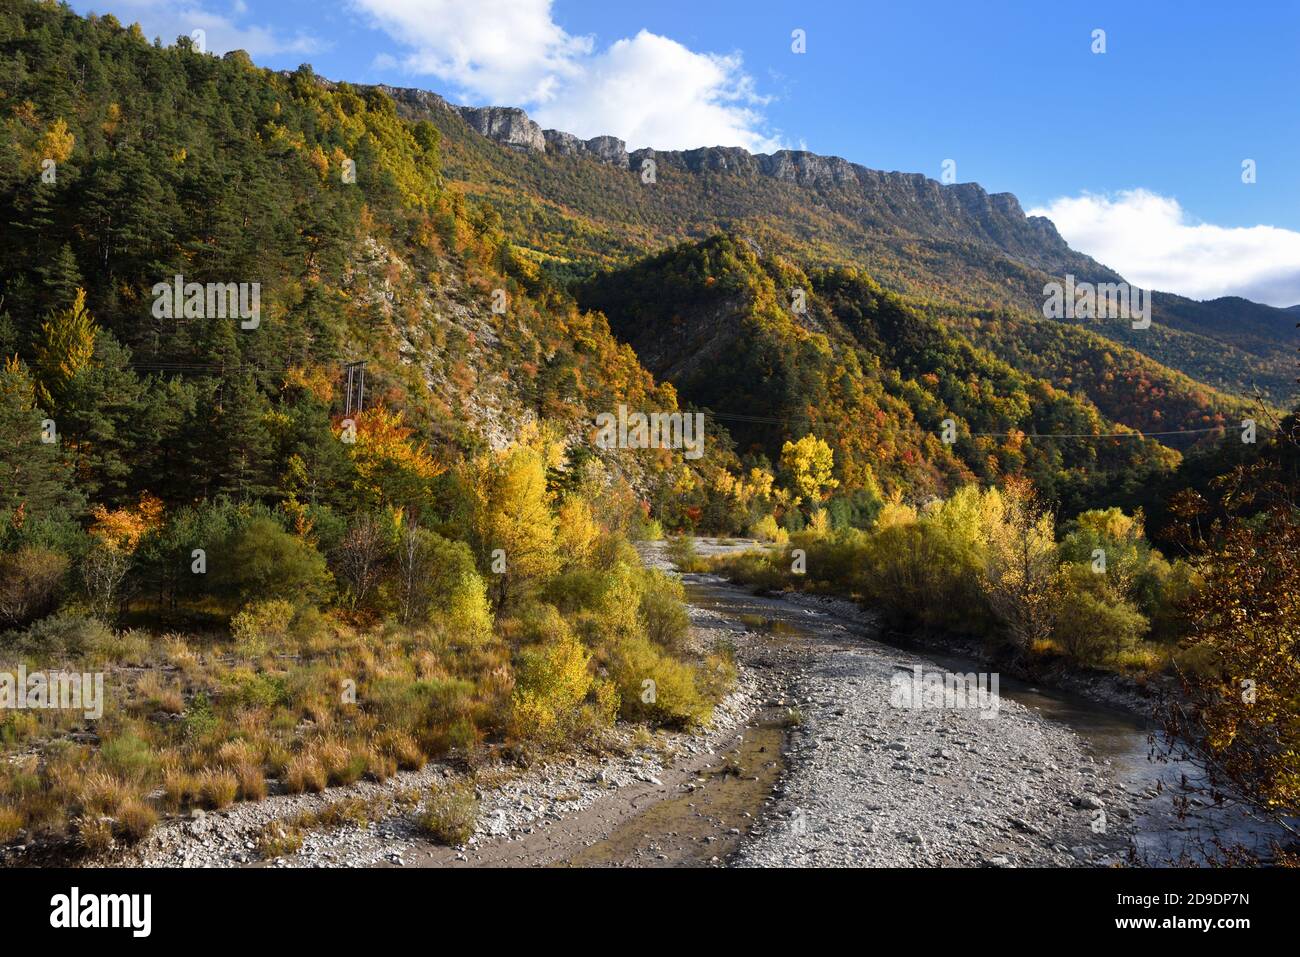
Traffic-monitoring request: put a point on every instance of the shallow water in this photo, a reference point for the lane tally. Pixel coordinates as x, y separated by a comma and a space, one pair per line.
1114, 737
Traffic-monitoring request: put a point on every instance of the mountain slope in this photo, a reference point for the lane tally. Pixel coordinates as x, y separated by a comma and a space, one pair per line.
859, 367
581, 206
169, 162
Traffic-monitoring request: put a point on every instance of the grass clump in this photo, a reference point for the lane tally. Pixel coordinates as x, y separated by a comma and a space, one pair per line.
450, 814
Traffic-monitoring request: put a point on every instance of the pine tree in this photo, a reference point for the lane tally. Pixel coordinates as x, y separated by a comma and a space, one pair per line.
35, 478
61, 278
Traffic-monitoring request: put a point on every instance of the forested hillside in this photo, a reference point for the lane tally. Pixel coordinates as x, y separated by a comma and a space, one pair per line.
952, 244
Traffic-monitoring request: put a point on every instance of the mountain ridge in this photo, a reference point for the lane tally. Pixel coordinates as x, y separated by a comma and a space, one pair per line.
512, 128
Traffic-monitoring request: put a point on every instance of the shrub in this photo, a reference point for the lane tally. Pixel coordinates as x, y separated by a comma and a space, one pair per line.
278, 839
450, 814
180, 788
379, 766
94, 833
252, 782
1093, 622
11, 822
263, 561
681, 552
436, 578
552, 679
402, 748
653, 686
67, 635
663, 610
29, 580
136, 819
129, 758
304, 774
766, 530
579, 589
261, 627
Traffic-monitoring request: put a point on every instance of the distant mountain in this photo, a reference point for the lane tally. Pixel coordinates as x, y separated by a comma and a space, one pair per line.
580, 205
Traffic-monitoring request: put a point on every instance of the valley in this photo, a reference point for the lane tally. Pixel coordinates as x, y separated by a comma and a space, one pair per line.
426, 487
808, 763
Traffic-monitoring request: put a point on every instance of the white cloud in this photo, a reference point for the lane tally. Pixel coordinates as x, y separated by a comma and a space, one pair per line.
648, 90
169, 19
652, 91
503, 51
1154, 243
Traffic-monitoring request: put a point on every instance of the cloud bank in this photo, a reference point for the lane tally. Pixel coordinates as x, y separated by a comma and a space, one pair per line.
1154, 243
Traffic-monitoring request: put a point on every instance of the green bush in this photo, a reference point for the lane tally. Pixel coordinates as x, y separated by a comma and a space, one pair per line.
1094, 623
261, 627
262, 561
129, 758
681, 552
767, 530
663, 611
66, 635
652, 686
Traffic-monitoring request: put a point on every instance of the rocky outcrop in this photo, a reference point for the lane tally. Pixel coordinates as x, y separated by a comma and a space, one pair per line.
606, 149
507, 125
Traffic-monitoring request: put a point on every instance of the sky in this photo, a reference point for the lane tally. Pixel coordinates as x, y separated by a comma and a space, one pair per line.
1140, 154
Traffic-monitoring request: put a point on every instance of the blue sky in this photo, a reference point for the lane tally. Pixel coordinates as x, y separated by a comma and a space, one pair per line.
1136, 152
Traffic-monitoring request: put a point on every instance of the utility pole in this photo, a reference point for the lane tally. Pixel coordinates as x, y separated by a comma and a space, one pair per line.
356, 387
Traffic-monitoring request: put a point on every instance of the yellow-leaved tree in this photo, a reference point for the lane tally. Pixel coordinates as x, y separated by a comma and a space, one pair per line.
808, 464
67, 345
507, 514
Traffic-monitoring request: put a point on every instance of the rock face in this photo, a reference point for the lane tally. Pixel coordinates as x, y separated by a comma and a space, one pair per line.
606, 149
505, 124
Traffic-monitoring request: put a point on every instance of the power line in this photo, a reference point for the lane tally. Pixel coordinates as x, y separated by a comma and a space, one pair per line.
1135, 434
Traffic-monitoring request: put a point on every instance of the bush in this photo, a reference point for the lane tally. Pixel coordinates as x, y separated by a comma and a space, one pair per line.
1093, 622
29, 581
262, 561
681, 552
552, 680
217, 788
136, 819
11, 822
450, 814
304, 774
580, 589
67, 635
261, 627
663, 611
129, 758
653, 686
754, 567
